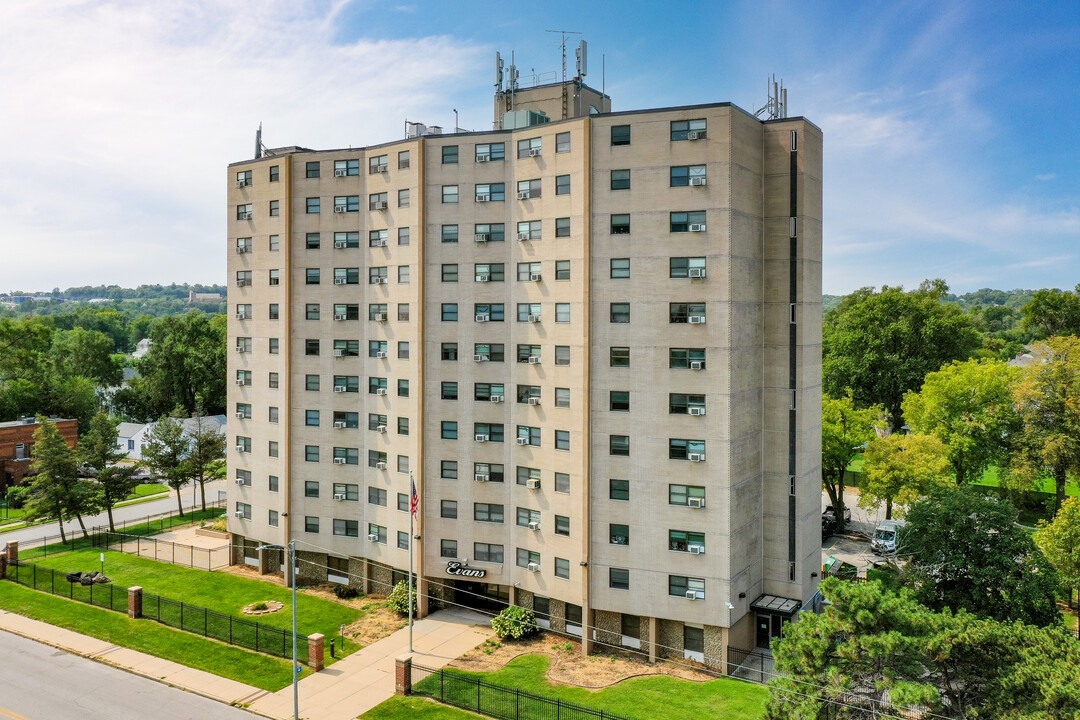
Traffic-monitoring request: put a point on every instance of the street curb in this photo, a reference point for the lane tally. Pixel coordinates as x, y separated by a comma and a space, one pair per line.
133, 671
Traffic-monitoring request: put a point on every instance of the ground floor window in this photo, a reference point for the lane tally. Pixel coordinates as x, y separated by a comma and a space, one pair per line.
694, 642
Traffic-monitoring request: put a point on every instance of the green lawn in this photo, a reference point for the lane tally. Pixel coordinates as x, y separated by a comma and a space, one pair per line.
640, 698
415, 708
218, 591
147, 490
262, 671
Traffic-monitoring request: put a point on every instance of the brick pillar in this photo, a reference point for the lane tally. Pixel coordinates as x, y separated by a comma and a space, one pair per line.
588, 627
316, 651
403, 675
12, 551
135, 602
654, 628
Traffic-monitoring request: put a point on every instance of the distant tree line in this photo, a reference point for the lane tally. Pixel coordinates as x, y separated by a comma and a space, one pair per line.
150, 300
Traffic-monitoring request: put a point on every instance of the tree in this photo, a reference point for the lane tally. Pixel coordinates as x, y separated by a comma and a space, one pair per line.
1047, 398
165, 453
844, 430
875, 654
968, 406
901, 469
185, 365
206, 451
1052, 312
57, 491
966, 552
1059, 540
86, 353
882, 344
98, 449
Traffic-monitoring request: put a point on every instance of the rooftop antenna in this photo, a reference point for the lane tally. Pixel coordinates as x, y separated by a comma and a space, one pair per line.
258, 143
776, 105
564, 34
582, 70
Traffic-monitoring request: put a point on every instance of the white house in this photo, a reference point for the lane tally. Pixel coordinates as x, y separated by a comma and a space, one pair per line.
133, 435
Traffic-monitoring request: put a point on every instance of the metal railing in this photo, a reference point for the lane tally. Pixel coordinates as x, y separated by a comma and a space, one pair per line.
753, 665
164, 550
479, 696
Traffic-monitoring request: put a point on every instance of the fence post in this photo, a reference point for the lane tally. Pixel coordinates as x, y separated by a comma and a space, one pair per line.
135, 601
316, 651
11, 552
230, 631
402, 675
3, 566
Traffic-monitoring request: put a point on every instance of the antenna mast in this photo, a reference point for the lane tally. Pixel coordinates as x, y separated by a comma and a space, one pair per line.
564, 34
776, 105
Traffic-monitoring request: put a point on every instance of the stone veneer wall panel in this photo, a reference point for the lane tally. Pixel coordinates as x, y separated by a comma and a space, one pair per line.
312, 567
670, 640
608, 630
558, 616
715, 647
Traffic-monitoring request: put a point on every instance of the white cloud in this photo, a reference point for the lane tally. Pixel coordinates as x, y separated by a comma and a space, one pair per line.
124, 115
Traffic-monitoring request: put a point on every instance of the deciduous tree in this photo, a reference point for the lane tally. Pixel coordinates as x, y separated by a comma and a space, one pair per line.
901, 469
1059, 540
844, 430
1052, 312
206, 451
165, 453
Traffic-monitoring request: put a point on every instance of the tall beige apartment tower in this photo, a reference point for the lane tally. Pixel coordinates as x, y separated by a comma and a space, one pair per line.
591, 338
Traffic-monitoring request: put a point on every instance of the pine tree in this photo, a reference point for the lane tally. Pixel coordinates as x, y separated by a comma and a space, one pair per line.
98, 449
165, 452
57, 491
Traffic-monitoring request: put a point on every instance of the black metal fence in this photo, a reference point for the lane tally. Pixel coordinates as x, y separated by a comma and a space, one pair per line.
754, 665
164, 550
475, 695
189, 618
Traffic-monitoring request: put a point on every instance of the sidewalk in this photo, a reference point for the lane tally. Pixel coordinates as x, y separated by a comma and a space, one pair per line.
344, 690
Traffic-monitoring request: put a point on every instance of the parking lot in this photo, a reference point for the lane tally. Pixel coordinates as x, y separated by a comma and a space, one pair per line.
853, 546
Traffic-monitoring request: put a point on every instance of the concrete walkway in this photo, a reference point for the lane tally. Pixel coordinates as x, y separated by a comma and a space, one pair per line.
341, 692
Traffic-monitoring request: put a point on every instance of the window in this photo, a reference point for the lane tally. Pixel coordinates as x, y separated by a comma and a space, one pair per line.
448, 469
493, 272
403, 464
272, 519
346, 168
562, 312
312, 206
619, 489
376, 496
312, 170
275, 208
530, 147
403, 388
347, 383
376, 459
272, 448
685, 221
449, 430
351, 456
487, 552
684, 175
686, 358
529, 189
346, 348
347, 528
562, 354
244, 509
562, 184
449, 312
403, 350
528, 312
312, 241
681, 129
620, 357
311, 524
681, 449
620, 224
275, 311
562, 439
490, 152
244, 212
562, 525
311, 418
562, 397
272, 414
244, 245
272, 380
493, 312
620, 312
243, 278
274, 243
375, 421
681, 494
620, 179
683, 312
403, 201
449, 233
376, 312
618, 534
681, 403
487, 512
620, 268
526, 516
377, 275
530, 434
449, 194
449, 154
562, 568
274, 173
402, 540
490, 232
682, 540
376, 201
529, 230
403, 236
449, 391
492, 431
243, 376
681, 267
619, 445
448, 509
448, 548
491, 192
375, 384
376, 238
449, 351
526, 270
493, 352
243, 477
618, 578
562, 269
348, 491
679, 586
526, 392
620, 134
346, 311
311, 276
346, 419
273, 483
403, 160
619, 401
527, 557
485, 391
376, 533
273, 345
562, 142
525, 474
311, 346
562, 483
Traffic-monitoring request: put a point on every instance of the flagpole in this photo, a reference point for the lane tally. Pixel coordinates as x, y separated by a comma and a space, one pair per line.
412, 495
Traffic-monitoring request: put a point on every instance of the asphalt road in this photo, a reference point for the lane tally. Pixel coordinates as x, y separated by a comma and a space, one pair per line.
43, 683
140, 511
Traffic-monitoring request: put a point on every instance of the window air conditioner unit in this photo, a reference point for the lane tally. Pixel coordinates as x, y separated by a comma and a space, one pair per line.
697, 365
535, 277
696, 457
339, 496
241, 349
535, 152
241, 183
380, 428
378, 242
340, 424
695, 502
240, 481
695, 411
695, 135
483, 278
241, 249
534, 525
241, 416
341, 388
238, 513
380, 391
340, 281
339, 461
241, 449
341, 244
482, 318
534, 318
480, 438
245, 216
696, 320
697, 181
341, 316
339, 352
483, 157
534, 359
523, 236
241, 316
380, 465
380, 317
483, 198
480, 358
381, 168
524, 195
381, 354
696, 272
534, 401
341, 172
341, 208
696, 227
242, 282
696, 549
481, 477
691, 594
241, 383
523, 441
380, 205
496, 398
382, 281
373, 537
533, 567
482, 237
532, 484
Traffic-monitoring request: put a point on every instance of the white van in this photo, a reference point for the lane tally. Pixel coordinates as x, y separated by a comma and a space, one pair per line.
885, 536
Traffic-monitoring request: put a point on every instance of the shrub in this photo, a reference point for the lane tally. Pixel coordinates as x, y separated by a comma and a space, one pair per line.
17, 496
398, 600
346, 592
260, 606
514, 623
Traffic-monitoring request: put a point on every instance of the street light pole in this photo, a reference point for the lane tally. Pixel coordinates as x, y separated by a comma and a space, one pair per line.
291, 550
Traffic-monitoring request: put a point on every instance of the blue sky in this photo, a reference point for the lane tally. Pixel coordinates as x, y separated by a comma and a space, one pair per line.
950, 127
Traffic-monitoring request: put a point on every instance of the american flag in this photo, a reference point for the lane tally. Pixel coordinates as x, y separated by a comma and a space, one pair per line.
414, 500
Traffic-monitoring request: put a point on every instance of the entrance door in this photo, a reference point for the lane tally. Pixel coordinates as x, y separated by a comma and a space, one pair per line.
764, 630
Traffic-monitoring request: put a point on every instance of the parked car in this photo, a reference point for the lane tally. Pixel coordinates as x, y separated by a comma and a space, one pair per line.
886, 537
830, 510
828, 525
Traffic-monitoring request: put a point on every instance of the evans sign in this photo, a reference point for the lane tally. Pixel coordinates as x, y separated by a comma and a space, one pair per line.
455, 568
